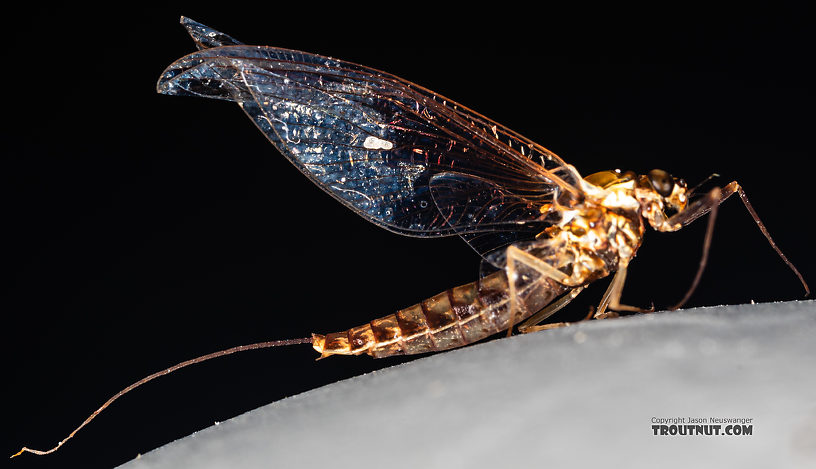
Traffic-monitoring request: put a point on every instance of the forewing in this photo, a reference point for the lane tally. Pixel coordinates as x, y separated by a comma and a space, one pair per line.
370, 139
206, 37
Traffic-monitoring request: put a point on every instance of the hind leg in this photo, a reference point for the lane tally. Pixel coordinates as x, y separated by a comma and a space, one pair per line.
608, 308
532, 323
516, 255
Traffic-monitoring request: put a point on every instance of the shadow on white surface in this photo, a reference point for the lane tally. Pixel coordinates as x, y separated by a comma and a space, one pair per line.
581, 396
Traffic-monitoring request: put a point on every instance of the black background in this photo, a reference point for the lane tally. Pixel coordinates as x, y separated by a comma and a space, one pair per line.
143, 230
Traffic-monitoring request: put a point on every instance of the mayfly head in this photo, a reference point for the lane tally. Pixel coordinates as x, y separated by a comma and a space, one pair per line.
655, 191
673, 191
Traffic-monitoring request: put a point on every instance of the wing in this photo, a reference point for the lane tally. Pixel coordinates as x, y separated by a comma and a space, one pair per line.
503, 217
373, 140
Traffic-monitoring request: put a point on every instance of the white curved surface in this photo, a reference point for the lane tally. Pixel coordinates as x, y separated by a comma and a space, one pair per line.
582, 396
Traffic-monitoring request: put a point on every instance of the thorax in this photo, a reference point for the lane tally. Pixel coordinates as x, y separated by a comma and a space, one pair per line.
606, 226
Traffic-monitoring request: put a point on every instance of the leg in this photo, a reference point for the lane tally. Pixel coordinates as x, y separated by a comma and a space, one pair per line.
531, 324
612, 296
514, 255
602, 312
526, 329
710, 204
610, 303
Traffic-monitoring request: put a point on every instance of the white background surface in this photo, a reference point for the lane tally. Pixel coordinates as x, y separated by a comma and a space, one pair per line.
581, 396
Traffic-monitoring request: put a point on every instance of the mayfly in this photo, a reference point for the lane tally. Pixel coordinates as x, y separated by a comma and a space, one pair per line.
419, 164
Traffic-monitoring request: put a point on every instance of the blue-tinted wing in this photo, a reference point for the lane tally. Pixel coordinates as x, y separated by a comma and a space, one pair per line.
370, 139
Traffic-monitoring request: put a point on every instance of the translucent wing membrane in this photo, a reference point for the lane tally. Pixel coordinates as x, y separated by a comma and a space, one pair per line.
206, 37
502, 216
386, 148
465, 200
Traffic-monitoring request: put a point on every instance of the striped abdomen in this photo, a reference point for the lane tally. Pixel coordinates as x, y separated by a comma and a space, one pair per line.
453, 318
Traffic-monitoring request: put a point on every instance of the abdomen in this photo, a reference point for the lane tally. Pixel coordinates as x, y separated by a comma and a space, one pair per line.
453, 318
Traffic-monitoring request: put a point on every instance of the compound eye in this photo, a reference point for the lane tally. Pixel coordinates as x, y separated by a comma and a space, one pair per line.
662, 182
